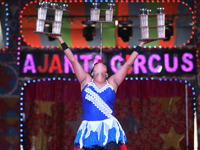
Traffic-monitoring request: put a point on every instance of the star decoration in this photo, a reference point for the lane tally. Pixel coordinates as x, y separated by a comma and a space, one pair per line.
130, 124
5, 78
168, 103
40, 140
172, 139
44, 107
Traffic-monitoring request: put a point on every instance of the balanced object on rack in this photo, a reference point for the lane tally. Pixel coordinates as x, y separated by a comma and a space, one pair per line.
95, 13
42, 15
144, 27
95, 17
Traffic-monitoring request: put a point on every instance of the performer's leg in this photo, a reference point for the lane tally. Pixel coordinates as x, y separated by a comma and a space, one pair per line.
75, 148
112, 146
123, 147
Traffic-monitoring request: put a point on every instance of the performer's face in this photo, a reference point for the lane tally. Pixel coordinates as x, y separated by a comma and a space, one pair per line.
100, 71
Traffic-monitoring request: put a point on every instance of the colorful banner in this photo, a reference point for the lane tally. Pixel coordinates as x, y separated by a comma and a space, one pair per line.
150, 63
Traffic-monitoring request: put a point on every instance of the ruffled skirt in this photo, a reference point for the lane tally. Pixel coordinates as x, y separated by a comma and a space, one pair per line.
99, 133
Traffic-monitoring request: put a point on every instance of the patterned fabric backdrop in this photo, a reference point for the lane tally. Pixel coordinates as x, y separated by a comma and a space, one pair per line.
9, 123
152, 113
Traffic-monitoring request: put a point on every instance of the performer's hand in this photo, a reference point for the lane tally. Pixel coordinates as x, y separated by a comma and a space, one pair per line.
145, 41
148, 40
52, 35
58, 37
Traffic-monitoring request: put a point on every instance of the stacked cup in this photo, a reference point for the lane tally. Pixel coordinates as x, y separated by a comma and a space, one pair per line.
160, 22
144, 23
109, 12
95, 12
57, 19
42, 13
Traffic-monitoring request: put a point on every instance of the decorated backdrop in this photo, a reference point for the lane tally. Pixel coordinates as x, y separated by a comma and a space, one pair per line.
152, 113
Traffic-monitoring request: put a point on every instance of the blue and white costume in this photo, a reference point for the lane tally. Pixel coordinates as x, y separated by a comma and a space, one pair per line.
99, 126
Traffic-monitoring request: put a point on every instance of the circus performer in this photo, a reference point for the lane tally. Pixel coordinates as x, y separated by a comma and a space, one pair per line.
99, 128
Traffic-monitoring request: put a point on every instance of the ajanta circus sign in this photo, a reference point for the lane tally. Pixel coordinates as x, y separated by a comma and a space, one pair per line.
47, 63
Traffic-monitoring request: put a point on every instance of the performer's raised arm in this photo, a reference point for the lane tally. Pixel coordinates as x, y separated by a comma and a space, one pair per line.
116, 79
82, 76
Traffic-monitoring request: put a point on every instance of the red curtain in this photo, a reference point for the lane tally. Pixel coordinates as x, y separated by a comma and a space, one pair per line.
152, 113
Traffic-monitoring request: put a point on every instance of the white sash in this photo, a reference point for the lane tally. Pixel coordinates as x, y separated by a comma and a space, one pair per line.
99, 103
